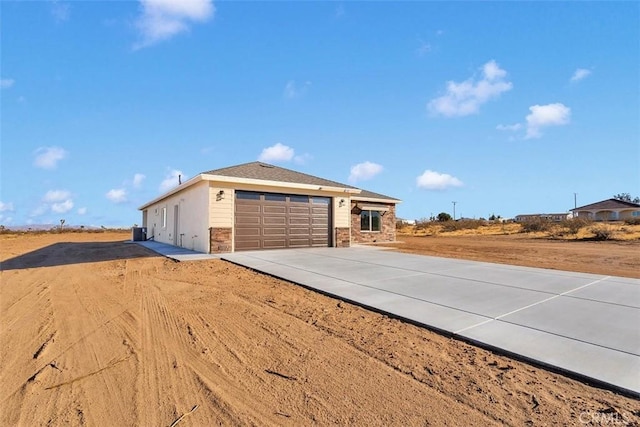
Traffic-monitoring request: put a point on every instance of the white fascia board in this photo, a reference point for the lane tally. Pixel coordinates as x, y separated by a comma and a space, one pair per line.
281, 184
371, 199
173, 191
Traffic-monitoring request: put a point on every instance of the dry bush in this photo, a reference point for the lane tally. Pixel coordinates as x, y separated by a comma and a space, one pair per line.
536, 225
463, 224
602, 232
574, 225
632, 221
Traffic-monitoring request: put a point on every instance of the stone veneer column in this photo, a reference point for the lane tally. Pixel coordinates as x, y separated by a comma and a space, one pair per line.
220, 240
343, 237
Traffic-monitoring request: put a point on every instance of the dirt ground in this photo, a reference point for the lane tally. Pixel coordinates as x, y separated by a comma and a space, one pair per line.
95, 331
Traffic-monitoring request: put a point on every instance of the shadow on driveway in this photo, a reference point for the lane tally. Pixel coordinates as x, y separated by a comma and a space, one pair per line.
66, 253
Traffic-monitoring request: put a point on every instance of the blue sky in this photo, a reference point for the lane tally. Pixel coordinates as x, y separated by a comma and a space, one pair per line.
502, 107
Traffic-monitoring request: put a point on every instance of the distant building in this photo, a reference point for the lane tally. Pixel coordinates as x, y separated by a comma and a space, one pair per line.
555, 217
608, 210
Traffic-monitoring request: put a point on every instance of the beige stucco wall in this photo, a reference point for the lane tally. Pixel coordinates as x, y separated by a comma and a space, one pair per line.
193, 227
341, 214
221, 208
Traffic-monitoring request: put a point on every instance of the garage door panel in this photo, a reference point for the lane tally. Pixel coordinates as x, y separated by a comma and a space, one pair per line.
271, 231
275, 221
271, 209
299, 210
248, 231
249, 208
274, 243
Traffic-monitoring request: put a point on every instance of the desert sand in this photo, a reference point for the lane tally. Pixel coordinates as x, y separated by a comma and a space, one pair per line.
97, 331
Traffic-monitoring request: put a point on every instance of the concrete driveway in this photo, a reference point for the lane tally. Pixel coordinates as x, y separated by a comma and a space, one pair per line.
582, 324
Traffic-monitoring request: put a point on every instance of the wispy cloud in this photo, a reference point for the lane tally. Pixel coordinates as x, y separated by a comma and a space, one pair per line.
117, 195
162, 19
465, 98
62, 207
423, 48
542, 116
514, 127
172, 179
60, 11
6, 207
580, 74
293, 90
48, 157
82, 211
277, 153
6, 83
137, 180
432, 180
364, 171
53, 196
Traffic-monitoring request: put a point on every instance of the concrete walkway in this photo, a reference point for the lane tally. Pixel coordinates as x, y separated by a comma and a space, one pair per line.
584, 325
175, 252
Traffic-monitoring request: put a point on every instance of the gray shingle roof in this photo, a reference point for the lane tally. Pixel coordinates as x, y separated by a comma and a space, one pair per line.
267, 172
609, 204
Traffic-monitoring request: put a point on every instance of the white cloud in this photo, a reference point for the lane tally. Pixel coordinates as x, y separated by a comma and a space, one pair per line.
5, 219
117, 195
40, 210
163, 19
276, 153
291, 90
364, 171
302, 158
137, 180
546, 115
62, 207
431, 180
514, 127
172, 179
53, 196
465, 98
6, 83
82, 211
6, 207
580, 74
48, 157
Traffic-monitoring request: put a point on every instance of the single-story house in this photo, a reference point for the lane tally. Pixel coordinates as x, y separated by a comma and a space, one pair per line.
260, 206
608, 210
555, 217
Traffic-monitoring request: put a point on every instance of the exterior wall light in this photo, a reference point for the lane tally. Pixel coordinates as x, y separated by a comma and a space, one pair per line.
341, 203
220, 195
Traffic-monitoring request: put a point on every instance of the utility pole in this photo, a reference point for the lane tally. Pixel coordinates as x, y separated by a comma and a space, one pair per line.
575, 200
454, 210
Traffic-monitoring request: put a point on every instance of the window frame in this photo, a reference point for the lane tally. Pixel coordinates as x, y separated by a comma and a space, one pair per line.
164, 217
370, 216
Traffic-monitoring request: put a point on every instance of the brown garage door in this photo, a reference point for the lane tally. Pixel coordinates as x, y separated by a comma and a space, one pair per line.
277, 221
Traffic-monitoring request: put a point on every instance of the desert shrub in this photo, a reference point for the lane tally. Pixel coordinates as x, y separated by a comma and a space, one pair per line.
463, 224
574, 225
536, 225
602, 232
632, 221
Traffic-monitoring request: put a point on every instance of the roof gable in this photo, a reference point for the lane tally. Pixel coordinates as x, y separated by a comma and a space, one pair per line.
609, 204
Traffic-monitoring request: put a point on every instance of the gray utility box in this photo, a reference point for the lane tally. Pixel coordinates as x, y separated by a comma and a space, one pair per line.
139, 234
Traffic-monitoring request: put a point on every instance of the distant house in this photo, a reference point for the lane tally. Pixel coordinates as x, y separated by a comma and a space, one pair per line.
261, 206
555, 217
608, 210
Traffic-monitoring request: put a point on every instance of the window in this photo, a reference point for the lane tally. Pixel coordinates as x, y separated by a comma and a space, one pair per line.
370, 221
164, 217
270, 197
298, 199
247, 195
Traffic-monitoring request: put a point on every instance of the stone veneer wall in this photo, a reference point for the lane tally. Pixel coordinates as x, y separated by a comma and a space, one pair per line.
220, 240
388, 232
343, 237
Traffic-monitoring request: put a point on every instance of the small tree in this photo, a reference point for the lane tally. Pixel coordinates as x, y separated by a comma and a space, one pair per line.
626, 197
443, 216
62, 221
